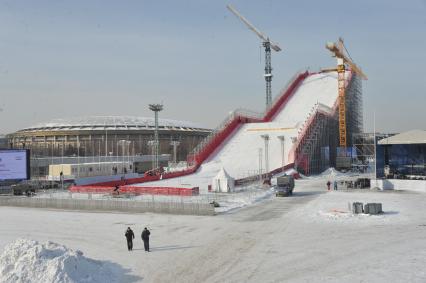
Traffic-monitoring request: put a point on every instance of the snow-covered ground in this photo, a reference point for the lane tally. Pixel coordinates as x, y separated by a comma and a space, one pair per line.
309, 237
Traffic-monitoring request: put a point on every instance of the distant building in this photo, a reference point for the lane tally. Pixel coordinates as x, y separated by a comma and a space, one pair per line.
94, 136
110, 137
402, 156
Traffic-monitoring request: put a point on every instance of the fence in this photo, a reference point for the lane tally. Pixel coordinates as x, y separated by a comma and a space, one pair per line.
137, 190
131, 206
5, 190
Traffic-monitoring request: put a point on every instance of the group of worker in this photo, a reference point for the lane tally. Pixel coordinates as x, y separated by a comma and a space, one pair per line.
334, 185
130, 236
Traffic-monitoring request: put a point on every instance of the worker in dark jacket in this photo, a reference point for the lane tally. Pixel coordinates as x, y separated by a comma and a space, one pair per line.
129, 236
145, 238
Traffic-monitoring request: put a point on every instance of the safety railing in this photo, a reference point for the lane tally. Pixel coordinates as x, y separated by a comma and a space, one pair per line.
312, 117
285, 94
224, 124
240, 116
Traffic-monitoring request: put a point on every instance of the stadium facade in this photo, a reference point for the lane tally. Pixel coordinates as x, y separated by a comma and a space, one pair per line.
107, 136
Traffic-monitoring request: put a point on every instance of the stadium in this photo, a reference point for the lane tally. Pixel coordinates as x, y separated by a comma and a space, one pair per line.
107, 136
101, 135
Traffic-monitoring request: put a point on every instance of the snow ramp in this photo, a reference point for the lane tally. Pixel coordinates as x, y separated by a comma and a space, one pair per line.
237, 144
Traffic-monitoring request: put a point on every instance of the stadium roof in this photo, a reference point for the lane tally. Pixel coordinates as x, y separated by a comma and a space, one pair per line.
410, 137
112, 123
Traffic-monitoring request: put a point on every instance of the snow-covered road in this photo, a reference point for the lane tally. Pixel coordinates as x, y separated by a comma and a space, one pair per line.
309, 237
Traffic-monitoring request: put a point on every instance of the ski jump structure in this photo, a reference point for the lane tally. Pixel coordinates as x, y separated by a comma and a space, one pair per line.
319, 129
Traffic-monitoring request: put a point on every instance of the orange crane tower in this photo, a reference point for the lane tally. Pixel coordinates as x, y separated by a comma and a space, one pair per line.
342, 61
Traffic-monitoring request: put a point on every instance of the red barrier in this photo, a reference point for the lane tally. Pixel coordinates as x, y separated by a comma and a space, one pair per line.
282, 101
239, 120
175, 191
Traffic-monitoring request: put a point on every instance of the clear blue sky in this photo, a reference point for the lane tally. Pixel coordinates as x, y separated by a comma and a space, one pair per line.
78, 58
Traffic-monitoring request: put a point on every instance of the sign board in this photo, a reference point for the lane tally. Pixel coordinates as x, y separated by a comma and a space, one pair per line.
346, 152
14, 164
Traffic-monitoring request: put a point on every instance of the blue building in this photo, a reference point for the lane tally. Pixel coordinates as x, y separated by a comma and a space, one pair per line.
402, 156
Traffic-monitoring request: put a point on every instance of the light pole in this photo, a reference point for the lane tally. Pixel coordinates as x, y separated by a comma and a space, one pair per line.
62, 164
128, 154
266, 139
282, 140
78, 156
156, 108
99, 156
106, 142
175, 144
375, 149
260, 163
151, 144
124, 144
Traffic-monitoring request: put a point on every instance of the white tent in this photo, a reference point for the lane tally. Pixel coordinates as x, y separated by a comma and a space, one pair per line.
223, 182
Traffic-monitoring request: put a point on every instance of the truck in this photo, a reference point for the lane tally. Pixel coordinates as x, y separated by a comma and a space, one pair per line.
284, 186
24, 187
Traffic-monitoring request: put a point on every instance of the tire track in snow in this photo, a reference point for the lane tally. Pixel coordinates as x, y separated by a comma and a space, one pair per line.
216, 261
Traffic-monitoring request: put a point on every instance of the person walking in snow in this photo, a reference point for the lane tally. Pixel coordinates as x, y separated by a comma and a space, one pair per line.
335, 185
328, 185
145, 238
129, 236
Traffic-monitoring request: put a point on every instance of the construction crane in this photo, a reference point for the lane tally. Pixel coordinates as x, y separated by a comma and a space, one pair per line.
342, 61
268, 44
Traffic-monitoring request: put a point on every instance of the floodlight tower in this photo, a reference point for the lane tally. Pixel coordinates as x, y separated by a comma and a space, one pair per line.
268, 44
156, 108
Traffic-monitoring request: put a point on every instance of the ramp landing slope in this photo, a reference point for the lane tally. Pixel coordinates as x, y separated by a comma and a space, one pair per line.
239, 154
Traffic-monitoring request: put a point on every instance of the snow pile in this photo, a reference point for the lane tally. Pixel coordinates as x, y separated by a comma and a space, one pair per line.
241, 199
30, 261
331, 174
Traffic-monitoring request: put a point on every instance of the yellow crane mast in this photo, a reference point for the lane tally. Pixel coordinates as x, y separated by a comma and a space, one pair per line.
342, 61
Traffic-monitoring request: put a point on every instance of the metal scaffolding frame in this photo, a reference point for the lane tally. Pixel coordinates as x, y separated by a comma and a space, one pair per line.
354, 110
364, 146
318, 140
